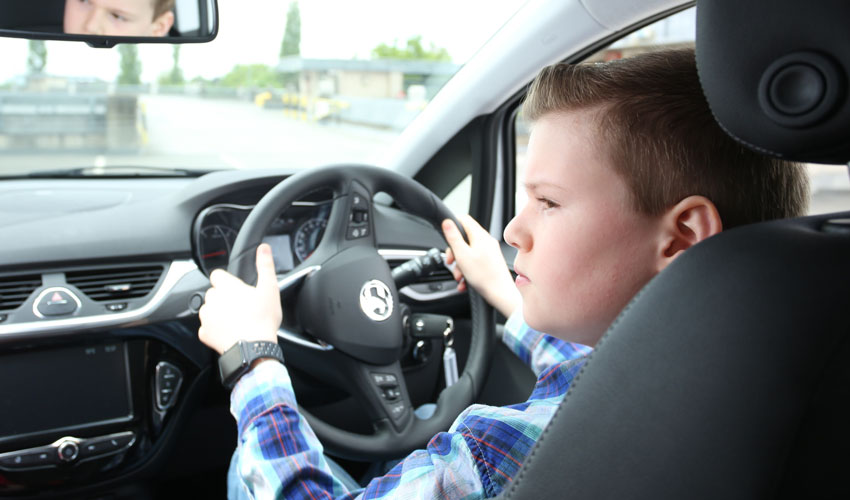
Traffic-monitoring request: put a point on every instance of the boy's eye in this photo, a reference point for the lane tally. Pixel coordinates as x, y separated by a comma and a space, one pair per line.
118, 17
547, 203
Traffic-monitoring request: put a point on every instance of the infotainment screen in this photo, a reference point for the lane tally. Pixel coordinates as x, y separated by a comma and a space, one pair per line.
61, 389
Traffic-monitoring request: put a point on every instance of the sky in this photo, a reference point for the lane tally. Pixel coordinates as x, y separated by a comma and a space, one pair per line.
251, 32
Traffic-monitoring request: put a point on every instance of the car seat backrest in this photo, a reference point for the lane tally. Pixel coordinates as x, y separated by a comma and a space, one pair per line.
728, 376
717, 381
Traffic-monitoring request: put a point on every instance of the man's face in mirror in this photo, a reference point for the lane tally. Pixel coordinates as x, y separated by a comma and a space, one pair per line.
116, 18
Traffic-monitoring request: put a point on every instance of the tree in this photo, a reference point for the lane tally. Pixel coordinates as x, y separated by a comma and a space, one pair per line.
131, 66
251, 75
37, 59
291, 45
175, 76
413, 49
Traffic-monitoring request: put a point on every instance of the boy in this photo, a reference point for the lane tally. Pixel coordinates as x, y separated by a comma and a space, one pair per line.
119, 17
626, 170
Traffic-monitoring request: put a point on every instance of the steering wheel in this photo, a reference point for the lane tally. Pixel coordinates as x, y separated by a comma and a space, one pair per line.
348, 303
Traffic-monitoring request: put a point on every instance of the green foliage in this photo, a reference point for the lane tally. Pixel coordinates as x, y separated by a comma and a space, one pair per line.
291, 45
251, 75
130, 67
413, 49
175, 76
37, 59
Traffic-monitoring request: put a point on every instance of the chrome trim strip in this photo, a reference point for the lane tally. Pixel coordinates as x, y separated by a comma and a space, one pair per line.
403, 254
303, 342
293, 278
393, 253
288, 281
176, 271
233, 206
426, 297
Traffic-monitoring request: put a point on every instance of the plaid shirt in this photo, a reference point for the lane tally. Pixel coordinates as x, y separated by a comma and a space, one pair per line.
280, 456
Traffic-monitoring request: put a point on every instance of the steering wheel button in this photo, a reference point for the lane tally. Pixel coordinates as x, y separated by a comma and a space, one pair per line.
397, 410
392, 394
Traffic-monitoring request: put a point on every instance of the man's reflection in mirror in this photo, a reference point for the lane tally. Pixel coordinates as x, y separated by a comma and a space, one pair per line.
119, 17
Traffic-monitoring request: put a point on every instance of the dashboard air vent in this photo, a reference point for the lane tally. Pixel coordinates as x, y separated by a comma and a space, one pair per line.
115, 283
441, 274
14, 290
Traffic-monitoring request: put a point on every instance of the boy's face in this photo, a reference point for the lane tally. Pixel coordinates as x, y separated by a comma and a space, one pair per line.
115, 18
583, 251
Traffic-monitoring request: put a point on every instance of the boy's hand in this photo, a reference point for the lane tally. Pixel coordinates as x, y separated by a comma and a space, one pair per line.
234, 310
481, 264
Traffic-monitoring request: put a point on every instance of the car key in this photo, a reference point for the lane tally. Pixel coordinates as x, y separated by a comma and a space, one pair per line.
449, 356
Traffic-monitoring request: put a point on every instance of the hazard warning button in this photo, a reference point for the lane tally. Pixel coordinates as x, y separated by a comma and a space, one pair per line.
56, 301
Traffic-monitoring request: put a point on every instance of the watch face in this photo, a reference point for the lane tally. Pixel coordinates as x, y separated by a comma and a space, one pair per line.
232, 363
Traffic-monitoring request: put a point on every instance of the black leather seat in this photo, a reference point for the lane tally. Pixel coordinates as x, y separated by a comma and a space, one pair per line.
728, 376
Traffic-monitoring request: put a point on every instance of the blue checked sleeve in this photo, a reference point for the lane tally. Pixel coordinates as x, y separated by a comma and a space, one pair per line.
538, 350
280, 456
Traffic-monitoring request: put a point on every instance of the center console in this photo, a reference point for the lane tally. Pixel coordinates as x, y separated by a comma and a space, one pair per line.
79, 413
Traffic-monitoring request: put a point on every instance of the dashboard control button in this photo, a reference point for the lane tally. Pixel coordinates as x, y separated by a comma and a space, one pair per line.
196, 301
68, 451
94, 447
106, 444
14, 460
33, 458
43, 457
118, 306
167, 382
122, 440
56, 301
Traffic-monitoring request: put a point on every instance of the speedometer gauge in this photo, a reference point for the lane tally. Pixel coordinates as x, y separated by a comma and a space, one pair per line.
215, 244
308, 236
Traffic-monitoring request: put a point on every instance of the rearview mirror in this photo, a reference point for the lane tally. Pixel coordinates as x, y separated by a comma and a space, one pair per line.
104, 23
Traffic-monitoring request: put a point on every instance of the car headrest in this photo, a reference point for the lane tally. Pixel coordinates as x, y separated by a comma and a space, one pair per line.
776, 74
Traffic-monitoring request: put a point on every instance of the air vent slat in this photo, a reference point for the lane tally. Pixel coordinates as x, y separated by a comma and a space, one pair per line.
115, 283
14, 290
106, 282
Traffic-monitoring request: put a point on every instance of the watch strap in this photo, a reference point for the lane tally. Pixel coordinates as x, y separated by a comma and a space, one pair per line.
237, 360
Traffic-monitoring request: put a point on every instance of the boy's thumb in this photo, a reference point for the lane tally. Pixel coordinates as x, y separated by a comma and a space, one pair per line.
266, 276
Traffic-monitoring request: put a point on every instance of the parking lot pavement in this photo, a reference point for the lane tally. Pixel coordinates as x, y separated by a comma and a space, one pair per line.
193, 132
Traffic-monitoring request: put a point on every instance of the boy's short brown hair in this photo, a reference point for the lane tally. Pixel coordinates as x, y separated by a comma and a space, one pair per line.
660, 135
160, 7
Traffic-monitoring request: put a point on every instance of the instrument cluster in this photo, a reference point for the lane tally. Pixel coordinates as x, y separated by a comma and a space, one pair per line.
293, 235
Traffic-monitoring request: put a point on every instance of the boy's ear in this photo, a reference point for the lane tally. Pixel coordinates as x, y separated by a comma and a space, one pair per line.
163, 23
690, 221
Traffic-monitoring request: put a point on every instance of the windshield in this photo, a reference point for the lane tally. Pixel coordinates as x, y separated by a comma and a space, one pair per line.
285, 84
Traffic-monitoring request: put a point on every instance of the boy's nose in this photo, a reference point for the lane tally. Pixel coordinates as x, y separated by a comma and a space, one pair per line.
515, 235
94, 23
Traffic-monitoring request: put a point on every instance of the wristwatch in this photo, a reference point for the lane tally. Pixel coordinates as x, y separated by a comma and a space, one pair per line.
237, 360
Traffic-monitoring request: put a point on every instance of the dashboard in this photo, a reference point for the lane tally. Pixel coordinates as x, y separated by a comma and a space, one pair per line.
101, 279
293, 235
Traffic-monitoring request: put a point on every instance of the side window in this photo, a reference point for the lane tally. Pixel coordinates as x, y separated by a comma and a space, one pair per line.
458, 198
829, 184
